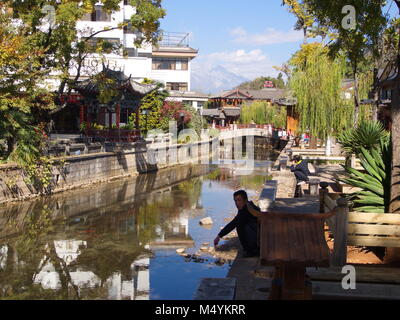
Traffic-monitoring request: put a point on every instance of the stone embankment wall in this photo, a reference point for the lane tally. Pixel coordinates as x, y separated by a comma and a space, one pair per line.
286, 179
99, 200
118, 160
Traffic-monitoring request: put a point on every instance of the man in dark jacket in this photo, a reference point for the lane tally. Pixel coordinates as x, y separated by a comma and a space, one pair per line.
245, 224
300, 170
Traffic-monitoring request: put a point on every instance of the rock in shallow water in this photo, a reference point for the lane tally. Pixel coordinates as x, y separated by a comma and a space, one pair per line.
206, 221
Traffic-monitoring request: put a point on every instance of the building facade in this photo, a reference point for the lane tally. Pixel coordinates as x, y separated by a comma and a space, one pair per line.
168, 63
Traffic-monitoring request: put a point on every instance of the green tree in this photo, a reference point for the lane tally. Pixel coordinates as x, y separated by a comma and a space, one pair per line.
258, 83
317, 85
262, 112
305, 20
152, 104
358, 40
63, 49
22, 98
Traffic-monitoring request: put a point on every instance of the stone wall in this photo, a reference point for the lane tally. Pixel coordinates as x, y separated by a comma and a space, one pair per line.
118, 160
100, 199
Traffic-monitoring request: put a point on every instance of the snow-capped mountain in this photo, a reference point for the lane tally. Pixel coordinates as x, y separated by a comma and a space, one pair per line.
214, 80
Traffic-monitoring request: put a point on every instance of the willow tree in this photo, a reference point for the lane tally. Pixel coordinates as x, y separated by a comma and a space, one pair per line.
357, 26
262, 112
317, 85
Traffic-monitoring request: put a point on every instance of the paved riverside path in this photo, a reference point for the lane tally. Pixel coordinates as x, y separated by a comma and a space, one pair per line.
253, 281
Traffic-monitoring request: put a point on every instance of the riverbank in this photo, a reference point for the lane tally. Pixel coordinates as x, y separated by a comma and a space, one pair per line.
120, 160
253, 281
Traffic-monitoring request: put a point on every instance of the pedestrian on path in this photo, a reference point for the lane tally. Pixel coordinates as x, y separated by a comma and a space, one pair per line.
245, 224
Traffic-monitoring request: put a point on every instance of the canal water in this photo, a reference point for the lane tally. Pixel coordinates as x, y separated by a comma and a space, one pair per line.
118, 240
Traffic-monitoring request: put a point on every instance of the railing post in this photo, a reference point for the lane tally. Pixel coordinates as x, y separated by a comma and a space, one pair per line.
340, 237
283, 163
313, 187
323, 192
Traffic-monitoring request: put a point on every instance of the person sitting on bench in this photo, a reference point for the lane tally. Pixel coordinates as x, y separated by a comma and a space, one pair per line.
300, 170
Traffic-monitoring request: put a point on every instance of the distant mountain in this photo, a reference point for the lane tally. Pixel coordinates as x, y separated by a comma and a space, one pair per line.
215, 80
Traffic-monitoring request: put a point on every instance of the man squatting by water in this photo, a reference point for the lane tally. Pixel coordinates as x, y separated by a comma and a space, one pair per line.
245, 224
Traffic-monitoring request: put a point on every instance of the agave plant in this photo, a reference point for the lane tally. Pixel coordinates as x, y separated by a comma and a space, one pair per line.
374, 180
367, 135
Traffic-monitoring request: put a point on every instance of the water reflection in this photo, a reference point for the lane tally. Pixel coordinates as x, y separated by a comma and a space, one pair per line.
116, 240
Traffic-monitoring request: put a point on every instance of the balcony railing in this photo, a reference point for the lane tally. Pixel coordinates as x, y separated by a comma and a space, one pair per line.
174, 39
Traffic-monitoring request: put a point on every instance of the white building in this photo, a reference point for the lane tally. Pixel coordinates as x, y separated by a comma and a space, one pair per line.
168, 63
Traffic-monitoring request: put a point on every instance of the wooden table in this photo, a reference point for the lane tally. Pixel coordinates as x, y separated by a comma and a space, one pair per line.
291, 242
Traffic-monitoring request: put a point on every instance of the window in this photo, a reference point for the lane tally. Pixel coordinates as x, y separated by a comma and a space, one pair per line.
97, 15
177, 86
109, 45
130, 52
170, 64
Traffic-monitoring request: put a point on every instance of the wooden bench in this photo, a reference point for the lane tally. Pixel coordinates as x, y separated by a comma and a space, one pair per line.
362, 228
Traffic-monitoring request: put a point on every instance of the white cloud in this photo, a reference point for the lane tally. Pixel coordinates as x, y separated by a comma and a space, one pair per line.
249, 64
269, 36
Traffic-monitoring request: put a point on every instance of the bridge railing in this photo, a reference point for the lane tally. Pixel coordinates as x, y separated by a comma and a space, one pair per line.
243, 126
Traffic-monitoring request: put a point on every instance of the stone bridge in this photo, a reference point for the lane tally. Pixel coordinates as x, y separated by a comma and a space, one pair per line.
245, 132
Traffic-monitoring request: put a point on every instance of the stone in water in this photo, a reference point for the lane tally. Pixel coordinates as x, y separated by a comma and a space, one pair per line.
207, 220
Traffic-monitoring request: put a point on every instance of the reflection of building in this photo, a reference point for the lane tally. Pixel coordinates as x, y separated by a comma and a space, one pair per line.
135, 286
174, 232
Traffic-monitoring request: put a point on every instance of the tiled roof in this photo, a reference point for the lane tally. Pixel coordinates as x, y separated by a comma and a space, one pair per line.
231, 112
187, 94
211, 112
267, 94
263, 94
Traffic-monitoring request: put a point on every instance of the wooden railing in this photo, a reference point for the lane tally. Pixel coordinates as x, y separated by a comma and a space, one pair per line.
359, 228
242, 126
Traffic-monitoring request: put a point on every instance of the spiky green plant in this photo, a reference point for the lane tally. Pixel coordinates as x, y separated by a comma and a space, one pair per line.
367, 135
374, 180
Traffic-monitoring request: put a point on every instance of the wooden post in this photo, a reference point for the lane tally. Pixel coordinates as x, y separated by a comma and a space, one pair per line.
81, 114
110, 120
323, 192
340, 244
313, 187
118, 114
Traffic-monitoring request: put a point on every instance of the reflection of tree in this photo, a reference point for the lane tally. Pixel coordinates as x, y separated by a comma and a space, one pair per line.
25, 260
115, 236
192, 191
107, 257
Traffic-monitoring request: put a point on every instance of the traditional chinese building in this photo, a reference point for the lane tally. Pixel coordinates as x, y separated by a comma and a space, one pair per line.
224, 108
85, 106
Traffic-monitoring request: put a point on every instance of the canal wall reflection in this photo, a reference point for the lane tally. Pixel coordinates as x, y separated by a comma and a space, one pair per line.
95, 244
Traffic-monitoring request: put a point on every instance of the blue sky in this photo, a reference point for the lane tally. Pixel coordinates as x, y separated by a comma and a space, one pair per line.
248, 38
